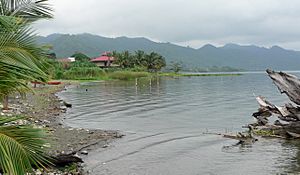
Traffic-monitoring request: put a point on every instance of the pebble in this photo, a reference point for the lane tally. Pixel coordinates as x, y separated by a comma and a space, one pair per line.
84, 152
46, 121
105, 146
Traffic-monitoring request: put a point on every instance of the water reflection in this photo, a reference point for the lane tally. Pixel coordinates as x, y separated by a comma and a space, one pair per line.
290, 156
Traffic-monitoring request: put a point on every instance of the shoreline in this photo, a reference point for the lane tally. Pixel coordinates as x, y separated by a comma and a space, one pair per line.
46, 110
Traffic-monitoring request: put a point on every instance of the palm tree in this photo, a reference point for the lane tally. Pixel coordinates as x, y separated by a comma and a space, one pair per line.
20, 57
154, 62
15, 14
125, 60
20, 61
139, 57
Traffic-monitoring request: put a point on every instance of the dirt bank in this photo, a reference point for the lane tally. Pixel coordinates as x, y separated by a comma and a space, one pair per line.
44, 109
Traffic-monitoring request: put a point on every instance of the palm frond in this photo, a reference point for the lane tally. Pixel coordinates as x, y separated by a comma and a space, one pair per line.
30, 10
20, 148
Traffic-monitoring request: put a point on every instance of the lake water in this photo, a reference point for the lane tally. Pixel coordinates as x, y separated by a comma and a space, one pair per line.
165, 125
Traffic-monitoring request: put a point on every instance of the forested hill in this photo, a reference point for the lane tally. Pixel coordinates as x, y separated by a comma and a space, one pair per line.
245, 57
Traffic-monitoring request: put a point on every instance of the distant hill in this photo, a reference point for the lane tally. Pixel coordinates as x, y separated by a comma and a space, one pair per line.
245, 57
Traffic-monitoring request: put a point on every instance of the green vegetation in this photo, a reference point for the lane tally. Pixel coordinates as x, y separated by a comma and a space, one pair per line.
152, 62
131, 66
176, 67
21, 147
80, 57
215, 69
84, 73
127, 75
195, 75
21, 61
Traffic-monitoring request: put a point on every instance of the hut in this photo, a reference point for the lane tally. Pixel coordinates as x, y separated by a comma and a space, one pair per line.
105, 60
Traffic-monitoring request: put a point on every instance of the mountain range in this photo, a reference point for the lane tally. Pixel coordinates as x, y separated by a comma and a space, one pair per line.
248, 57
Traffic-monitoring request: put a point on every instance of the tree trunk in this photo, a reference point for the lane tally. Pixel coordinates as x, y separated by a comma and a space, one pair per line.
289, 113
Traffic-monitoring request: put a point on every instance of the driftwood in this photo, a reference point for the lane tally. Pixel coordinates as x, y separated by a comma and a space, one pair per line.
286, 83
62, 160
288, 123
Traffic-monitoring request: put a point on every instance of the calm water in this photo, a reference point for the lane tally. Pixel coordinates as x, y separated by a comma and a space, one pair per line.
164, 124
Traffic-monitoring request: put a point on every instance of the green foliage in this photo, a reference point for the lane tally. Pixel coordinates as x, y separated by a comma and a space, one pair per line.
82, 64
80, 57
28, 10
21, 61
84, 73
176, 67
216, 69
152, 62
20, 147
127, 75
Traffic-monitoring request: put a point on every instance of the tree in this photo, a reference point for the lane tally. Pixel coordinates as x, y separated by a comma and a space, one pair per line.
176, 66
125, 59
20, 57
154, 62
81, 57
139, 57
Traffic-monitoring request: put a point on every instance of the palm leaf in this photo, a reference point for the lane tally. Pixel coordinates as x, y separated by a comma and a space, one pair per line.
30, 10
20, 148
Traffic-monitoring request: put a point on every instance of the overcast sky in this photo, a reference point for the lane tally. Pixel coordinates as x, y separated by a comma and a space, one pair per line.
185, 22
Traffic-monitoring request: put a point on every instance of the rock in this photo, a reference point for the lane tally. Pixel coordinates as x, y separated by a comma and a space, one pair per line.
105, 146
38, 172
119, 135
46, 121
63, 107
84, 152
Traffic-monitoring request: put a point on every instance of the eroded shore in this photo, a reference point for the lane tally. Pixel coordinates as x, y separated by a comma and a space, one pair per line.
44, 109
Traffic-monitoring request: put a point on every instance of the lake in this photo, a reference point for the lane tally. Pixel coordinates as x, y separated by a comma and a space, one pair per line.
165, 122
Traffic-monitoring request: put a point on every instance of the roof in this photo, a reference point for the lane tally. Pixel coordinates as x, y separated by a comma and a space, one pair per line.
103, 57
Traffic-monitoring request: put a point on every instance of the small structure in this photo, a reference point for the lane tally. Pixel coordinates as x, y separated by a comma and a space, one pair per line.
105, 60
66, 61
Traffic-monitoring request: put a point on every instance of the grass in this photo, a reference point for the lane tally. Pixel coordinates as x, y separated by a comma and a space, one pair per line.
197, 75
85, 73
127, 75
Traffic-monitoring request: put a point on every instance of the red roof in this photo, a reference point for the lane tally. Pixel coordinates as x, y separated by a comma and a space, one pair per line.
103, 57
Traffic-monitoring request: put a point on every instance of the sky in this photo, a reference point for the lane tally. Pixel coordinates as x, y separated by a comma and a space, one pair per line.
185, 22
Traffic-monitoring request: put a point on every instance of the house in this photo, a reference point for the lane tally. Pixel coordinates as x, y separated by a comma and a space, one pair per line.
105, 60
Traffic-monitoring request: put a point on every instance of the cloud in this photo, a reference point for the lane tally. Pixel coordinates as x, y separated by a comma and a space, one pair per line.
263, 22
